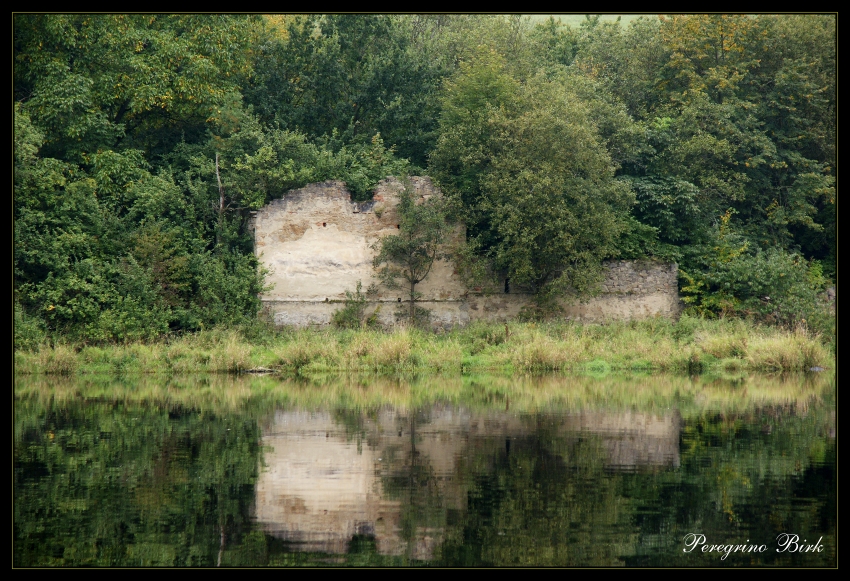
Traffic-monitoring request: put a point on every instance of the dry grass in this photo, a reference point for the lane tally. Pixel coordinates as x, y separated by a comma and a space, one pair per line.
787, 351
656, 345
57, 360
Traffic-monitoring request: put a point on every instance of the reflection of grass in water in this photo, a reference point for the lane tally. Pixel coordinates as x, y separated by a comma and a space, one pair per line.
731, 369
729, 390
598, 368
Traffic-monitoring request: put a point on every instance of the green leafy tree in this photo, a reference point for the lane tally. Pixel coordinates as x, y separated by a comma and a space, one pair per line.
128, 80
405, 259
352, 314
356, 75
751, 110
771, 286
143, 141
532, 173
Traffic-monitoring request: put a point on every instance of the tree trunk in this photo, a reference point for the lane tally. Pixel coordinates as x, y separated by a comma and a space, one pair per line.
412, 303
220, 204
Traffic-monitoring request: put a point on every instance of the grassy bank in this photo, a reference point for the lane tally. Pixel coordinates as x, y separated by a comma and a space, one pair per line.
689, 345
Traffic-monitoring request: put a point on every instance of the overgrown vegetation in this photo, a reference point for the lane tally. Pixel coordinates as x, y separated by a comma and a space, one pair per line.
405, 259
693, 345
532, 174
353, 313
143, 141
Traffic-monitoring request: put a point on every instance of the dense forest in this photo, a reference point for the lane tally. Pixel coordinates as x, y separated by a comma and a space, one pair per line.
143, 141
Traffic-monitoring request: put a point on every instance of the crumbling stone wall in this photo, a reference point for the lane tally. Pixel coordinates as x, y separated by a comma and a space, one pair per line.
317, 244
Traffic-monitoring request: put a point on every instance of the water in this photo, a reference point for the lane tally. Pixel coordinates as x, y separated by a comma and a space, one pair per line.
554, 471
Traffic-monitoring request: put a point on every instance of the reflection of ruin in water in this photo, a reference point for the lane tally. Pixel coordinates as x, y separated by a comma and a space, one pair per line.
322, 485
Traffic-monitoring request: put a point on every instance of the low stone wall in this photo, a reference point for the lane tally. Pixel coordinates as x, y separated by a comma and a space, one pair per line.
317, 244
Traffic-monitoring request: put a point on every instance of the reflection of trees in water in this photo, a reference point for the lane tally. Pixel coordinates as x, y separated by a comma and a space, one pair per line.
120, 485
542, 500
411, 479
494, 471
755, 473
550, 496
108, 484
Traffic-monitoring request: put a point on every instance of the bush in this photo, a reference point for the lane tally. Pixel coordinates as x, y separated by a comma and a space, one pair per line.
771, 286
228, 284
29, 331
351, 316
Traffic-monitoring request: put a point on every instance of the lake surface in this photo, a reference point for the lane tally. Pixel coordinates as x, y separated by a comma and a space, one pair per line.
458, 471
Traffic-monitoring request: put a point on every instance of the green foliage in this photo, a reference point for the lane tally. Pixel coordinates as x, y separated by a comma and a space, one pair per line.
534, 178
749, 123
473, 268
353, 75
540, 135
639, 241
258, 165
226, 290
556, 41
119, 254
669, 205
100, 301
360, 166
29, 330
94, 81
405, 259
352, 315
101, 243
772, 286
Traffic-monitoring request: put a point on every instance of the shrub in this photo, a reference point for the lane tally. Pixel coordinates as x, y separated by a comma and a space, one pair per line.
352, 314
29, 331
771, 286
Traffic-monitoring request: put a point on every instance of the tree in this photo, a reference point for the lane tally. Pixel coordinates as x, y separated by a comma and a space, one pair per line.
353, 74
111, 244
761, 107
404, 260
134, 80
530, 168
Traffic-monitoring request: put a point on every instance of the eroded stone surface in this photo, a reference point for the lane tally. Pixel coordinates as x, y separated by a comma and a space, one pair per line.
317, 244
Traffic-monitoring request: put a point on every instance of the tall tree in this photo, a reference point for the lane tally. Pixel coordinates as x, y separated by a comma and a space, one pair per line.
350, 76
134, 80
531, 169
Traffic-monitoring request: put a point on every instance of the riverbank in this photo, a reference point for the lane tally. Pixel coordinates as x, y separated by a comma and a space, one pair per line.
658, 345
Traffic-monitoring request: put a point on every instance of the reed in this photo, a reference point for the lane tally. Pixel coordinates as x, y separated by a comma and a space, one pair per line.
692, 345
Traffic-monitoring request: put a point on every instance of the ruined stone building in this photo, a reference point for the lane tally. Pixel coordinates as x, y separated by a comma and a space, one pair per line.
317, 244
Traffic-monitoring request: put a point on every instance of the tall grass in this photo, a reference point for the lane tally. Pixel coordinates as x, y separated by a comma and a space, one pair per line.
689, 345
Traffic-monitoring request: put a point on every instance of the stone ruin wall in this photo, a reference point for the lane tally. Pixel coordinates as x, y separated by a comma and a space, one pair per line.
317, 244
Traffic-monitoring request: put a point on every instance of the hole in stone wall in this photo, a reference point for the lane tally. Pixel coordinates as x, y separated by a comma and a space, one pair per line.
398, 227
324, 224
399, 299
